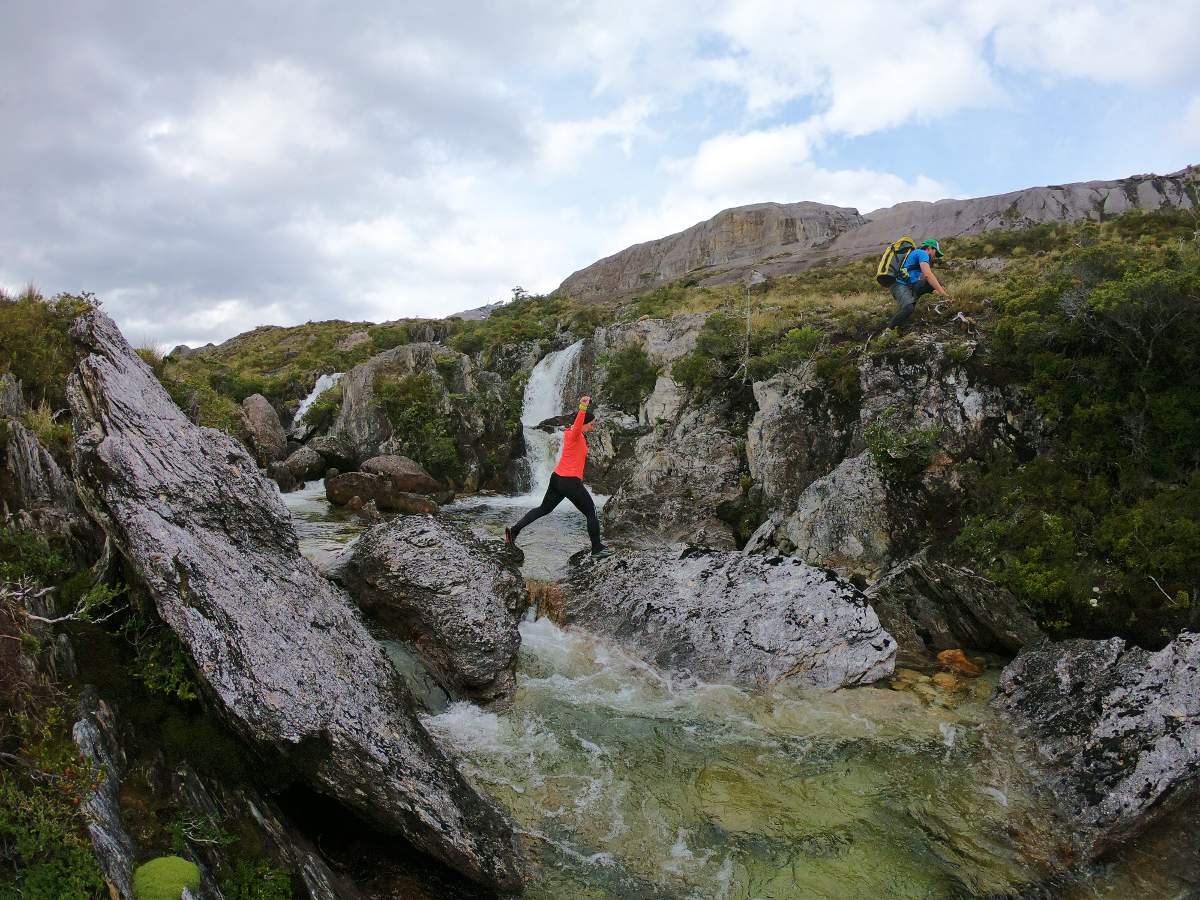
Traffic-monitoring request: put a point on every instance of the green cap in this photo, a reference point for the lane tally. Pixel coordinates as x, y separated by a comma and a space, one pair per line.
930, 242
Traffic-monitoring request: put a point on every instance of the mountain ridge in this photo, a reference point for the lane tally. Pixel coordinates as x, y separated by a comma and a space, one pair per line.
783, 238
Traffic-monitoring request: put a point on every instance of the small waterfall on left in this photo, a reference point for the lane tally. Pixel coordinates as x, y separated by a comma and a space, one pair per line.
544, 400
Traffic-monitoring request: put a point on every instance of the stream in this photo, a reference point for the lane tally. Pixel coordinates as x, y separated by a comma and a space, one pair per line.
626, 781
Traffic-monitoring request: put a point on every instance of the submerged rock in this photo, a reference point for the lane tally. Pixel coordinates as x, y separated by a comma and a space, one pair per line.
1116, 728
456, 600
751, 620
380, 489
268, 440
284, 656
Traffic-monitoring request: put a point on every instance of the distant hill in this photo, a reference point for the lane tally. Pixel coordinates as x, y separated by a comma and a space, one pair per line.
781, 238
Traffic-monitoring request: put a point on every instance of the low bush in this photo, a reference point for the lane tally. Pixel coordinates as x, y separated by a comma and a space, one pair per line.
420, 424
630, 377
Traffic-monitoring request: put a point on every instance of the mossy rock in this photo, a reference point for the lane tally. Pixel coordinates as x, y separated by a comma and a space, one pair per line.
165, 878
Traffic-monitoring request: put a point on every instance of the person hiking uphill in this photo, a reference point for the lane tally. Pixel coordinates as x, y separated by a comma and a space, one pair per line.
567, 481
916, 279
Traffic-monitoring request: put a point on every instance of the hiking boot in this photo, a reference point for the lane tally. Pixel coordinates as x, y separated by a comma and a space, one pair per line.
601, 552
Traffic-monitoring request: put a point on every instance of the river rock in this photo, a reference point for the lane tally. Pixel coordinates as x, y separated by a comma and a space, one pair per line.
722, 616
1115, 728
842, 521
931, 606
305, 464
456, 600
282, 653
283, 477
268, 440
406, 475
341, 489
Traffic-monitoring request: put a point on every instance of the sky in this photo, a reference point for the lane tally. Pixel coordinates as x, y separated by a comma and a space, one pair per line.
204, 168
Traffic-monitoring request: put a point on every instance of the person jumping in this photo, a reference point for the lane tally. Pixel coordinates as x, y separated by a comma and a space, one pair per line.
567, 481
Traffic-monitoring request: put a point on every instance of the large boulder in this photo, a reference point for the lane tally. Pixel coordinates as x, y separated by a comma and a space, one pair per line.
305, 464
342, 489
1115, 728
930, 606
283, 655
454, 599
723, 616
684, 471
268, 440
795, 437
406, 475
842, 521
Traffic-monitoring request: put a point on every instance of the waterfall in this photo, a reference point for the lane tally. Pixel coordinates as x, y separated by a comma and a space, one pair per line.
324, 383
544, 400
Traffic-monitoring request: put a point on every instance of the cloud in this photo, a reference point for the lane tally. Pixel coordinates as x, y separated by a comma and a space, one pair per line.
564, 144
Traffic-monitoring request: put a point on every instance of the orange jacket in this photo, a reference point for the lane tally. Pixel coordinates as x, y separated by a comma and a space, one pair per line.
574, 451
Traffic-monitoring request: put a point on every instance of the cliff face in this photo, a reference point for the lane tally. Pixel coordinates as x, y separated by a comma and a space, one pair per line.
781, 238
734, 239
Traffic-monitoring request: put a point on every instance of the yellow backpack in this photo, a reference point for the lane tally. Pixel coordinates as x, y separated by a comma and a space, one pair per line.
891, 264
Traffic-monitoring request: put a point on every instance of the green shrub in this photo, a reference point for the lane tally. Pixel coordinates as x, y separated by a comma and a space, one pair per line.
413, 404
257, 881
36, 346
709, 369
900, 452
165, 878
385, 337
630, 378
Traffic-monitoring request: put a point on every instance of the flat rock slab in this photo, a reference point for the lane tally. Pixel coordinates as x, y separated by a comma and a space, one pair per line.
285, 656
456, 601
1116, 728
722, 616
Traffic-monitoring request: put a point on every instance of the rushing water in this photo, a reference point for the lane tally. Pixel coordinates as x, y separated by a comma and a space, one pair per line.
626, 781
324, 383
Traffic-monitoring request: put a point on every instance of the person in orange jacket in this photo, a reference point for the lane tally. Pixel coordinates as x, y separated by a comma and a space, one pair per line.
567, 482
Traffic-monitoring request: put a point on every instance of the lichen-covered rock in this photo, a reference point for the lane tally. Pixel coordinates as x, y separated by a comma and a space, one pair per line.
1115, 728
723, 616
454, 599
39, 496
284, 656
380, 489
931, 606
305, 464
795, 438
406, 475
842, 521
268, 440
94, 733
683, 472
12, 401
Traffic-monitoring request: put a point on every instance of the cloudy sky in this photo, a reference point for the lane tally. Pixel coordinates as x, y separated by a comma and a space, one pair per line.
208, 167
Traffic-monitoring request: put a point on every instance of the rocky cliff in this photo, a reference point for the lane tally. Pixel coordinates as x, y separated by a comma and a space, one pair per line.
780, 238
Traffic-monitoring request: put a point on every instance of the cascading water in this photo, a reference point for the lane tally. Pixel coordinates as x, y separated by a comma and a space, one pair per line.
324, 383
544, 400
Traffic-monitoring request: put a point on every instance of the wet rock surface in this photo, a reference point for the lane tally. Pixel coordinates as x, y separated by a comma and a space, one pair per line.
723, 616
930, 606
1115, 728
379, 489
305, 464
283, 655
456, 600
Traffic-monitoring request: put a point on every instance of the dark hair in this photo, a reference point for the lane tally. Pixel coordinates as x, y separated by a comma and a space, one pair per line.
588, 416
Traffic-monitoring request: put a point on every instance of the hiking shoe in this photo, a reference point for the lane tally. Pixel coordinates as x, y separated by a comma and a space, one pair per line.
601, 553
508, 537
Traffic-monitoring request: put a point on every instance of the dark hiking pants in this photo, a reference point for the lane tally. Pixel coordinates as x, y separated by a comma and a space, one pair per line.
906, 299
572, 489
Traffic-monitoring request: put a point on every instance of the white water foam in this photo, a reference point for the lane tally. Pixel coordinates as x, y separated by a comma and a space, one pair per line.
324, 383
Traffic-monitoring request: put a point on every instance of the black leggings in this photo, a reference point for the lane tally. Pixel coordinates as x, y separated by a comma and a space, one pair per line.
573, 490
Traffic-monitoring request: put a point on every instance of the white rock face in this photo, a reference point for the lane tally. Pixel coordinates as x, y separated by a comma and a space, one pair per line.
722, 616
